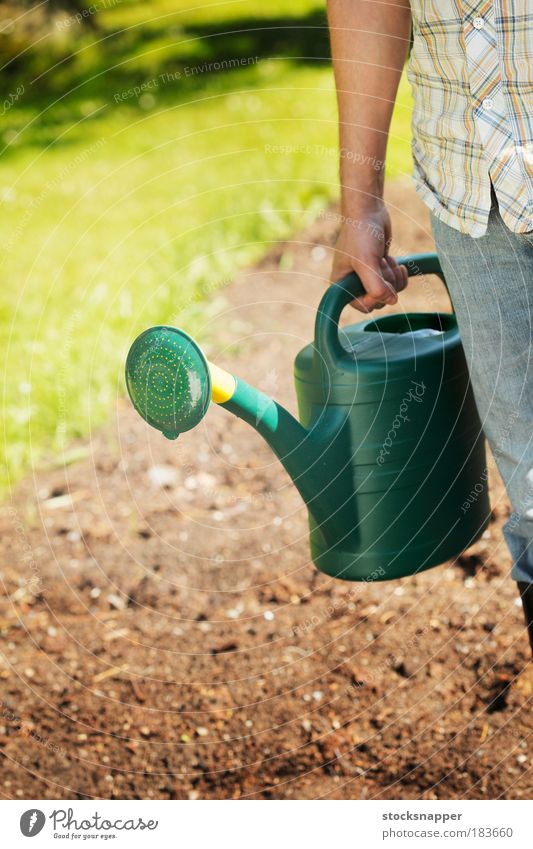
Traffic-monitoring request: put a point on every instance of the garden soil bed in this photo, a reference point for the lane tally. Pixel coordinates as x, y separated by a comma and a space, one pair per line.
165, 636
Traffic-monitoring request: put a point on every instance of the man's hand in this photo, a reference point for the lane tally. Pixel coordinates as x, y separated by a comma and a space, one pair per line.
362, 246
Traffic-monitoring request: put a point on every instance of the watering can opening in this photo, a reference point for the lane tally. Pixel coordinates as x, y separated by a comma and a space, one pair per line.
411, 323
394, 338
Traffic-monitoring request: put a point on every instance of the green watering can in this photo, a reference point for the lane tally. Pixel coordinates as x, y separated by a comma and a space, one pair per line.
389, 447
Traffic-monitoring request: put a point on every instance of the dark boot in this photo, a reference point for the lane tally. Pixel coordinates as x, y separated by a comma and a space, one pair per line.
526, 593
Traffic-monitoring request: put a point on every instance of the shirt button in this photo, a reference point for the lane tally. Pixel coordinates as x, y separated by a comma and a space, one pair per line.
479, 23
488, 104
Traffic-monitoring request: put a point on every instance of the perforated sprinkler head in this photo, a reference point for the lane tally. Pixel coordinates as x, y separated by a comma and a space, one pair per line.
168, 380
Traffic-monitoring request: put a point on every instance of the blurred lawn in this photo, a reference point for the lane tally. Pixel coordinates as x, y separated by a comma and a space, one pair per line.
123, 209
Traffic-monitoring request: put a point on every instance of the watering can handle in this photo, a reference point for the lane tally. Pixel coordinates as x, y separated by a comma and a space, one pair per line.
343, 292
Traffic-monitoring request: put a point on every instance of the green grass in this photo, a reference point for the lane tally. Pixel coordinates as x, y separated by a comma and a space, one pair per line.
124, 214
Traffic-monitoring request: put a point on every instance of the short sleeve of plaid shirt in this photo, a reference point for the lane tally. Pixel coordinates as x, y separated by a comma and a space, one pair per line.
471, 69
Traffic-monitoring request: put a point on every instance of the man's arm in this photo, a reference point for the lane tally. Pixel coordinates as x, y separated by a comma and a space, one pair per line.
369, 41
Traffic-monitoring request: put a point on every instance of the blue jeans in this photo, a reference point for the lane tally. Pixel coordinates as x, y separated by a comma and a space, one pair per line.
490, 281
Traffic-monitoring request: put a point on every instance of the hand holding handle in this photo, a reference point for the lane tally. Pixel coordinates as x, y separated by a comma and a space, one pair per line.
344, 291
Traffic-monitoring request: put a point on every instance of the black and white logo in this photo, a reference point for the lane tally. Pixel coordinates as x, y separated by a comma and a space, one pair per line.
32, 822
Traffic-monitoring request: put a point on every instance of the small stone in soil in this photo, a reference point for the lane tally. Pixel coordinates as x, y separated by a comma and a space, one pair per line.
318, 253
162, 476
115, 601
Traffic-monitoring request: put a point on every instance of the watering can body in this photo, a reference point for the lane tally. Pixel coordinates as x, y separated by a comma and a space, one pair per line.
410, 451
389, 447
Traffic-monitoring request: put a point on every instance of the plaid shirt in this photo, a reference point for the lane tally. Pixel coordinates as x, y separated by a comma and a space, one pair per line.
471, 68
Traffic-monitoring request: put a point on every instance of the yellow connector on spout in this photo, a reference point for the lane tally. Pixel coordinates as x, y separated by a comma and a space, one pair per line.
222, 384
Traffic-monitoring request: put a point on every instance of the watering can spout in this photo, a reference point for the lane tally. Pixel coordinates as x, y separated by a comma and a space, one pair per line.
305, 453
171, 385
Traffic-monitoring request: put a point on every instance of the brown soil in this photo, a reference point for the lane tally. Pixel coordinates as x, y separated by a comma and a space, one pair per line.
165, 635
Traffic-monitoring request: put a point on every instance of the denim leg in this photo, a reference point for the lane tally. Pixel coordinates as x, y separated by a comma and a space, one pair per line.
490, 280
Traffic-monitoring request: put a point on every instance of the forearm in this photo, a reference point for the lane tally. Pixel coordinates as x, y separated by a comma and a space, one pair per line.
369, 41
